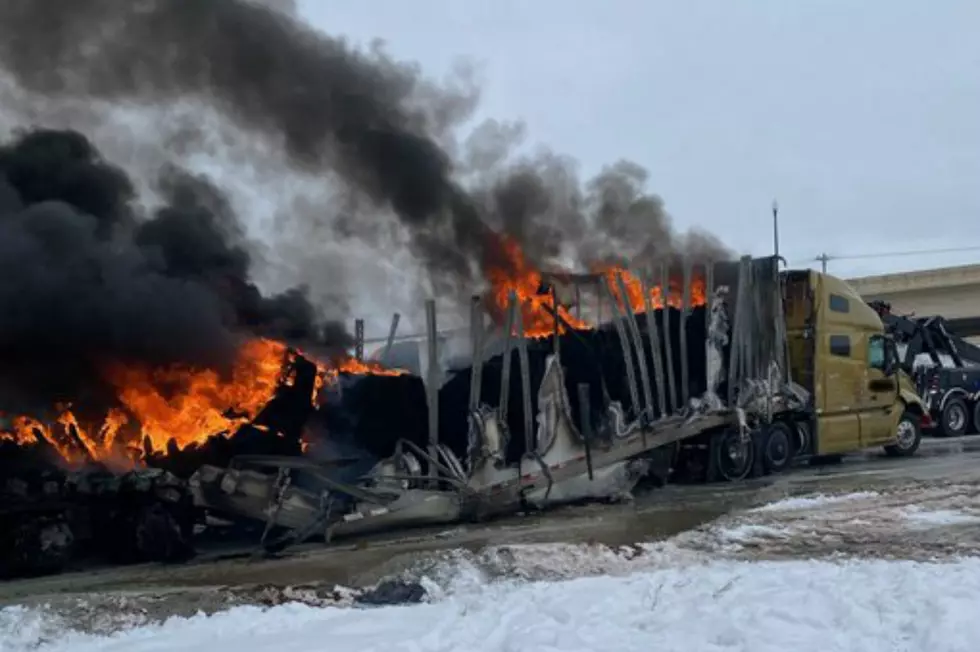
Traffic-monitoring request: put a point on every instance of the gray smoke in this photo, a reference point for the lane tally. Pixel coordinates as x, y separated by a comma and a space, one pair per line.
373, 121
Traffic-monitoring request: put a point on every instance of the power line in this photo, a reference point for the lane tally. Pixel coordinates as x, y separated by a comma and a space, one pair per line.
949, 250
825, 258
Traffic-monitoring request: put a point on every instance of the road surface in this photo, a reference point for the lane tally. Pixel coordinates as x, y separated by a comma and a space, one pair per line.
217, 578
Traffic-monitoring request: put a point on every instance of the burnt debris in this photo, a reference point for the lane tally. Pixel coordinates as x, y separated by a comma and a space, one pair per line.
51, 518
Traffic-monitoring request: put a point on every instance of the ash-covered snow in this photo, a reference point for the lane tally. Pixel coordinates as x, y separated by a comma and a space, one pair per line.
862, 571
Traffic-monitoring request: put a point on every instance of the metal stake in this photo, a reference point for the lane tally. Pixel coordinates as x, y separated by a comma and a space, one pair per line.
359, 339
391, 338
432, 382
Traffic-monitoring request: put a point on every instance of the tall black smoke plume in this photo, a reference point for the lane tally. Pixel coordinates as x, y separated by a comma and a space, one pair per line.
328, 105
360, 115
85, 281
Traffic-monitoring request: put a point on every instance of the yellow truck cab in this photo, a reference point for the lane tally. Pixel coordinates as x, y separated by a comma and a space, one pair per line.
839, 352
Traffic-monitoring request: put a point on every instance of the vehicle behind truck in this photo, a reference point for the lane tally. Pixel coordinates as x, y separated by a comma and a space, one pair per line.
944, 366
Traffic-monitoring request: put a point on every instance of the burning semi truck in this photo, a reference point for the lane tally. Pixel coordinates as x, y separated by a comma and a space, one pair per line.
733, 369
744, 381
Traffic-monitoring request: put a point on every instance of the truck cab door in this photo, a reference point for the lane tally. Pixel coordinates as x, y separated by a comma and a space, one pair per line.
878, 395
839, 394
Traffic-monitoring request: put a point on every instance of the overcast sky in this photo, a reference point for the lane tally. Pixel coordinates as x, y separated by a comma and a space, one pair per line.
861, 118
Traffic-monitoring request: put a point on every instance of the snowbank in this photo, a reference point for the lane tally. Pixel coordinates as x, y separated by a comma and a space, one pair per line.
863, 606
812, 501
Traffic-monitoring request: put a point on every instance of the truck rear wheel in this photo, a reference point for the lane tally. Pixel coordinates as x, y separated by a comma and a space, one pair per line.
777, 449
955, 418
976, 416
908, 435
731, 458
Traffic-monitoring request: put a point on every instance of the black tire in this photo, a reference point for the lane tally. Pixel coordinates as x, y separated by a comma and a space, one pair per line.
976, 417
804, 440
778, 448
955, 418
905, 446
730, 458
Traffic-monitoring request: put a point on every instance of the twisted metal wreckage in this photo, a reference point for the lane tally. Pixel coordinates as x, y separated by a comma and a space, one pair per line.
679, 393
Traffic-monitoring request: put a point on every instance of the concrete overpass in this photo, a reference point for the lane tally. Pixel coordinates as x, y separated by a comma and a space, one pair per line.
953, 292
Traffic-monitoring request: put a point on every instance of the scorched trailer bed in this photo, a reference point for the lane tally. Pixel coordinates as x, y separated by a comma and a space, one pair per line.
648, 423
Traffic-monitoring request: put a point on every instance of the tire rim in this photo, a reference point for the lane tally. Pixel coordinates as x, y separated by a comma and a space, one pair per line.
735, 458
906, 434
778, 450
956, 418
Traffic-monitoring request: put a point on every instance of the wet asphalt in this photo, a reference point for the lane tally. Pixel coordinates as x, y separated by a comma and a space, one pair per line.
655, 514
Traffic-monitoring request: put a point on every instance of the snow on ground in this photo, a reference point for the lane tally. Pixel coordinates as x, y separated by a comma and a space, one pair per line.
860, 605
862, 571
911, 523
811, 501
940, 517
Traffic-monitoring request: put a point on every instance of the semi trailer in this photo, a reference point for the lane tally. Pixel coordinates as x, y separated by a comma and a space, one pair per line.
774, 368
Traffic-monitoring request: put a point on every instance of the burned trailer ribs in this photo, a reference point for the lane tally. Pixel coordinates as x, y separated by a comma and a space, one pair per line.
715, 384
518, 435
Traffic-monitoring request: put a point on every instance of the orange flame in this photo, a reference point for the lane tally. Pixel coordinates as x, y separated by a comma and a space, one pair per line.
511, 272
327, 375
175, 404
634, 291
189, 405
358, 368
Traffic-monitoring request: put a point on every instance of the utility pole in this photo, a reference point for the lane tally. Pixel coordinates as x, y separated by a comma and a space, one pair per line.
823, 258
775, 228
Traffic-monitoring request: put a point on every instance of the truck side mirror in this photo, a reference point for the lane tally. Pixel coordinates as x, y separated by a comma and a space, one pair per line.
891, 358
889, 368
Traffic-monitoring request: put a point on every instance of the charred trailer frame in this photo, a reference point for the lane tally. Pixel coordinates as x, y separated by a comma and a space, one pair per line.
585, 414
667, 387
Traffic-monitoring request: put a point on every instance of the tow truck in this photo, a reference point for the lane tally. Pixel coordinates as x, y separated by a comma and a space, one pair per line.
945, 367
